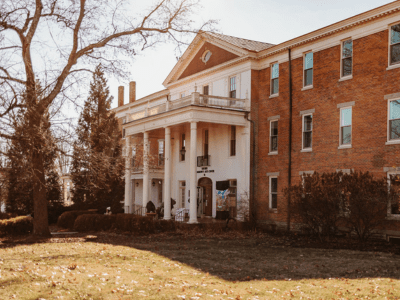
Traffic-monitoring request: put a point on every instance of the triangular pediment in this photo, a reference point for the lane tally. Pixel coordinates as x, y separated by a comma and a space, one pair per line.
216, 54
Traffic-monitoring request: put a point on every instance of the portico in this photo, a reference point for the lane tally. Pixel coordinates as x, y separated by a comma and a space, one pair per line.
185, 118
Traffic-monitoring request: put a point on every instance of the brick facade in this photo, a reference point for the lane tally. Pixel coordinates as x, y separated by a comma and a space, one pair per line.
370, 83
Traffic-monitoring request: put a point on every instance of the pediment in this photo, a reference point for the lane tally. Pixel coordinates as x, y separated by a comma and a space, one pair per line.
198, 63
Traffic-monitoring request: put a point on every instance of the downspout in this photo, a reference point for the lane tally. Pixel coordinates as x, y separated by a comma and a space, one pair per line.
290, 139
253, 170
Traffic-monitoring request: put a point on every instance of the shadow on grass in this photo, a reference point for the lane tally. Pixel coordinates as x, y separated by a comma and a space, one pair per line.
262, 257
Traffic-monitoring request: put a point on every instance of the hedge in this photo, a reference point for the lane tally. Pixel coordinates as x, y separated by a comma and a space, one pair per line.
16, 226
67, 219
91, 222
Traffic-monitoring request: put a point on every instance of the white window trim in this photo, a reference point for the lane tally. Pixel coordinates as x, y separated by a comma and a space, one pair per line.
345, 146
389, 141
343, 78
272, 152
271, 86
309, 149
391, 216
307, 87
229, 85
391, 66
270, 194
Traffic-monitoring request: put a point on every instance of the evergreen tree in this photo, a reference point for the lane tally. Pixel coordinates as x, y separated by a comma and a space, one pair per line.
20, 173
97, 162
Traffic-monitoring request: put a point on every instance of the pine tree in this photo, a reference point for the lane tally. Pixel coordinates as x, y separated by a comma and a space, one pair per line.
97, 162
20, 174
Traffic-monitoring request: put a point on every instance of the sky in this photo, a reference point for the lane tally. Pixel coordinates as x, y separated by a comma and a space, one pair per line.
270, 21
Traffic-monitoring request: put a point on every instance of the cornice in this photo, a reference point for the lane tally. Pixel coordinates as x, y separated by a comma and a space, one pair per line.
146, 99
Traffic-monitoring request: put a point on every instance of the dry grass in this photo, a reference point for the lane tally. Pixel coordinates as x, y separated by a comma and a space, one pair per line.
183, 267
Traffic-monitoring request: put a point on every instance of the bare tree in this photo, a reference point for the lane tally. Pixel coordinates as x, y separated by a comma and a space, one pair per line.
57, 42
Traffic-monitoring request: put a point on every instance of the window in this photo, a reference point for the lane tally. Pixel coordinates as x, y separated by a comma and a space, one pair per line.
274, 79
160, 152
123, 120
182, 95
182, 152
232, 87
273, 192
394, 184
308, 69
205, 90
273, 147
205, 146
394, 120
345, 126
232, 196
307, 131
395, 44
347, 58
123, 133
232, 151
182, 193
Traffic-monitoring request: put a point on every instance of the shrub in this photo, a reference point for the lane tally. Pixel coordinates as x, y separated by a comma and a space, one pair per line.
91, 222
5, 216
316, 203
67, 219
366, 202
164, 225
16, 226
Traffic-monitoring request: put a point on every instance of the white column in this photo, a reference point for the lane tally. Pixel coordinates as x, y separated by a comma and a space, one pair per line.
127, 200
167, 174
145, 168
193, 173
65, 191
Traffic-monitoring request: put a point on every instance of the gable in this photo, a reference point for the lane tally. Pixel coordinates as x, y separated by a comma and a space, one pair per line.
218, 56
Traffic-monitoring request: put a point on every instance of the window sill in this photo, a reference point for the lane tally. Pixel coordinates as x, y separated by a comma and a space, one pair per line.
273, 210
306, 150
308, 87
391, 67
346, 78
393, 217
273, 153
395, 142
274, 96
231, 156
344, 147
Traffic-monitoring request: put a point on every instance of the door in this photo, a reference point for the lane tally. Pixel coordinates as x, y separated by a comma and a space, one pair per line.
206, 184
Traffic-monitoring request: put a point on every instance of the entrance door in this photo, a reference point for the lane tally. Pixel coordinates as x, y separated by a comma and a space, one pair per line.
206, 184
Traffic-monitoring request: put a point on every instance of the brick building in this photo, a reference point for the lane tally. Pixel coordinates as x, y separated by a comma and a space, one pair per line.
337, 90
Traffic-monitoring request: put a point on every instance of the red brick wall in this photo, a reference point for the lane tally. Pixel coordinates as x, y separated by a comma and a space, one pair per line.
218, 56
371, 82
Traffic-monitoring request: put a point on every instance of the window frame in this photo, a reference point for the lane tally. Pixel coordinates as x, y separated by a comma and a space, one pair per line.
390, 64
161, 156
389, 140
270, 192
343, 58
302, 131
270, 136
232, 142
304, 71
208, 89
231, 91
182, 193
272, 80
348, 145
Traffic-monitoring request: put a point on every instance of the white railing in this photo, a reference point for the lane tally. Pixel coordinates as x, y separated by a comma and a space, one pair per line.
193, 99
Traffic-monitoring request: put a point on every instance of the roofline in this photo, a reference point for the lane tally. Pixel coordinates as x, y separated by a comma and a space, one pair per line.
145, 99
334, 28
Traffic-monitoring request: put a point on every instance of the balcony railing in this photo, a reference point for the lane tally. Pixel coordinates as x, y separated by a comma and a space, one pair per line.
193, 99
204, 161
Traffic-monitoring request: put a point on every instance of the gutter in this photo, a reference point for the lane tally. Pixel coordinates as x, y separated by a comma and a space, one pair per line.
290, 138
253, 170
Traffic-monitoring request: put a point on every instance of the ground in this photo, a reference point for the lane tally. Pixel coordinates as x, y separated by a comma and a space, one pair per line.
191, 266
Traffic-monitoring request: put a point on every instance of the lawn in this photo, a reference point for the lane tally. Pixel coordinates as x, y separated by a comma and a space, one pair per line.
178, 266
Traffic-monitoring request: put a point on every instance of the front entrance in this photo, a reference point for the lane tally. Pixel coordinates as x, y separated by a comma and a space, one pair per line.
205, 185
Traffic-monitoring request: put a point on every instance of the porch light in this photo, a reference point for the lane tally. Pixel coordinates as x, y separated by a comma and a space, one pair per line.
137, 183
154, 184
182, 151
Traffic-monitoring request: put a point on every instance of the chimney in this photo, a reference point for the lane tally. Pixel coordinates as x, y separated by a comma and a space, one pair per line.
120, 96
132, 91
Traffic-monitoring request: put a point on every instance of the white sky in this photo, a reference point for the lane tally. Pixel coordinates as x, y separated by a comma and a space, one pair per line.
270, 21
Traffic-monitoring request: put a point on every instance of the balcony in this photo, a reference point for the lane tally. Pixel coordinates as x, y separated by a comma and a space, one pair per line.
204, 161
193, 99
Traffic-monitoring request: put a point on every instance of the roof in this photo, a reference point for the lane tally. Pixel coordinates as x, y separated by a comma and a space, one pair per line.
242, 43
